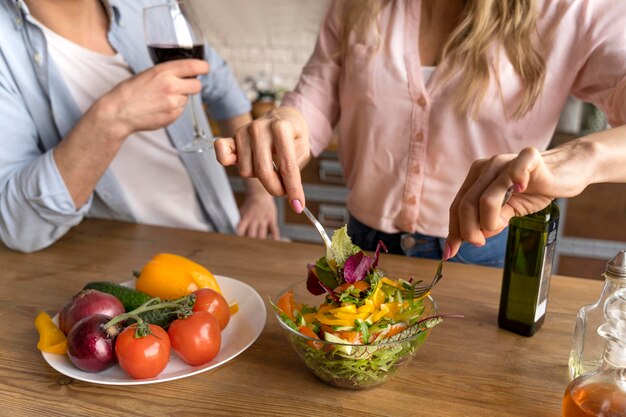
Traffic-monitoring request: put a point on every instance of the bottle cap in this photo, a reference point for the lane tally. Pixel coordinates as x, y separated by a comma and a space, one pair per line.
617, 266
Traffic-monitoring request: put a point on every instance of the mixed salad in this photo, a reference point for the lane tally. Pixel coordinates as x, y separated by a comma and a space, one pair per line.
366, 324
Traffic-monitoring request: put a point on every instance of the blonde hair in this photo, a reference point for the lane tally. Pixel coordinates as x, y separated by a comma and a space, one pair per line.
511, 22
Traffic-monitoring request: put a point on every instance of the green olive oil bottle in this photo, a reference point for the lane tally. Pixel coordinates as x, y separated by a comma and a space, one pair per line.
527, 268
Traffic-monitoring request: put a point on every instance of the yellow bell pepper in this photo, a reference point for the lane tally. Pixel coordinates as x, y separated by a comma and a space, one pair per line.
170, 276
51, 338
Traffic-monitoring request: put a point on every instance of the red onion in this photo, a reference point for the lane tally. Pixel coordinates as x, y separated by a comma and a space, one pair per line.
90, 346
87, 303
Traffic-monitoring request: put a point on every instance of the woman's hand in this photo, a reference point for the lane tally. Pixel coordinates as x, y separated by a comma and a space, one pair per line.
259, 217
479, 210
282, 132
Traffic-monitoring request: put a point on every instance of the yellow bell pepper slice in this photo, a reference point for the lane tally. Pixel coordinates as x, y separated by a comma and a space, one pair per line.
350, 308
169, 276
351, 317
309, 317
51, 338
333, 321
324, 308
392, 307
378, 297
368, 307
378, 315
388, 281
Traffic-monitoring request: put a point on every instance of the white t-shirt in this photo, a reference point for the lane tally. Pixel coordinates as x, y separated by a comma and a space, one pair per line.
147, 167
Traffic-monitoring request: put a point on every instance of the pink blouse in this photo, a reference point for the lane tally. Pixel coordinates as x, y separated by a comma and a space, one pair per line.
404, 148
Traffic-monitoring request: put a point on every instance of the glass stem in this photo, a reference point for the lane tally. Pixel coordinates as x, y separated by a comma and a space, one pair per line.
194, 117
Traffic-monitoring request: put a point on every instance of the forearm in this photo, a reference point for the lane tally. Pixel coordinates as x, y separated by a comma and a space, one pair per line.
608, 161
87, 151
595, 158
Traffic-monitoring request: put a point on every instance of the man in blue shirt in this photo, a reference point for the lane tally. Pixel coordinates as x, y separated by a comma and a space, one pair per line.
67, 151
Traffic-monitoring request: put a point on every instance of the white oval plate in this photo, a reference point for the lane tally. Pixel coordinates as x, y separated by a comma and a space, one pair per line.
242, 330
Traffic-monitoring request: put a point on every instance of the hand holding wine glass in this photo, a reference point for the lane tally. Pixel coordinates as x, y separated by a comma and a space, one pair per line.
171, 33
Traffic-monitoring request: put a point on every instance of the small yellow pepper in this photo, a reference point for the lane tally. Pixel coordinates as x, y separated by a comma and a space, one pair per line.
170, 276
51, 338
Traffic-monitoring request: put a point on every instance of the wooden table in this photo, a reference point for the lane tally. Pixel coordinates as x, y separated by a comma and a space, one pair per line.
467, 367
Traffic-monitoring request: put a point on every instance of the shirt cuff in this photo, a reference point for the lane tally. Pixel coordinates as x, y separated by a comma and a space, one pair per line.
48, 195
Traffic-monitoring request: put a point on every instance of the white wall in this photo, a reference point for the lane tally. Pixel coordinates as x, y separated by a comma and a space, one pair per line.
275, 36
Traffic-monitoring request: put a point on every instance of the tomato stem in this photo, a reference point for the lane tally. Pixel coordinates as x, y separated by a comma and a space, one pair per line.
182, 305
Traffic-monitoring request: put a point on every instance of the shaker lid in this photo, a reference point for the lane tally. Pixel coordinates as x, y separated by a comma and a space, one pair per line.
617, 266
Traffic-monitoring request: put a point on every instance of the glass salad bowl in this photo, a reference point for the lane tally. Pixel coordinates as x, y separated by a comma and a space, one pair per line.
337, 355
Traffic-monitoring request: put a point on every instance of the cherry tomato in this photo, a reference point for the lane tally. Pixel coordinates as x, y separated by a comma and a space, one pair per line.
143, 357
213, 302
197, 338
286, 304
308, 332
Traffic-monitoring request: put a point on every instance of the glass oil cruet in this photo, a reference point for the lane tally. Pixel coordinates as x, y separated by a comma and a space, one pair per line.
602, 393
588, 345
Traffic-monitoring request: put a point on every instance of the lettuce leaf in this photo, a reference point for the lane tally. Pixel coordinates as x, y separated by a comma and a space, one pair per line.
341, 248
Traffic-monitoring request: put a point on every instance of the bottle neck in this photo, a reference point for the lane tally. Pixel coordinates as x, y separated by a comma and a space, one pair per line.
612, 283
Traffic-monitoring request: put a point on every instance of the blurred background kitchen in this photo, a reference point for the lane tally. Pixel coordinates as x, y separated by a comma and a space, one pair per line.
267, 43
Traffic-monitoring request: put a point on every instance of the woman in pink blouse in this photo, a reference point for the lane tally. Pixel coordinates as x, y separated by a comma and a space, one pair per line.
418, 90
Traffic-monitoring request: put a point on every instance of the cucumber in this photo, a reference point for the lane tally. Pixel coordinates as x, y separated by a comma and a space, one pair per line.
131, 299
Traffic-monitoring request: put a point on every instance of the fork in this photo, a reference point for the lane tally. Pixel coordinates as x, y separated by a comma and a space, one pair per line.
311, 217
318, 226
423, 289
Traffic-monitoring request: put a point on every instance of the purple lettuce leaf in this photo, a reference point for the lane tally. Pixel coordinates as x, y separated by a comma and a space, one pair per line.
317, 287
377, 254
312, 282
356, 267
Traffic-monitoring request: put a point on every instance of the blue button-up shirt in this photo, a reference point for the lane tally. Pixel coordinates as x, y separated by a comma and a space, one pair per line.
37, 111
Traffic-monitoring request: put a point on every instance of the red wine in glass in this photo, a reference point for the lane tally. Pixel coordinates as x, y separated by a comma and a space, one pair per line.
172, 33
164, 53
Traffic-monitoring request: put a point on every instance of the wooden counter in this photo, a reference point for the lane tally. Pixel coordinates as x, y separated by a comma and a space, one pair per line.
467, 367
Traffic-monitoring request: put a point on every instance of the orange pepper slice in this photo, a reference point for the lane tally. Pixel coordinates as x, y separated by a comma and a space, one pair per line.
233, 308
51, 338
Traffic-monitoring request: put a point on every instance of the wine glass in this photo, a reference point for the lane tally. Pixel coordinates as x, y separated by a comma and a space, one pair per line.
172, 33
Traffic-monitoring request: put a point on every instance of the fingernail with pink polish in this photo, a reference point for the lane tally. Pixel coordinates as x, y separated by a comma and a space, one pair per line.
297, 206
518, 187
447, 250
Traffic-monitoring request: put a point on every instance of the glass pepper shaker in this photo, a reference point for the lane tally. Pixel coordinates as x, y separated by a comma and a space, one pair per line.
588, 346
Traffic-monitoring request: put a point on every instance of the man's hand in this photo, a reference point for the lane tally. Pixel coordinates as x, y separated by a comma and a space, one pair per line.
154, 98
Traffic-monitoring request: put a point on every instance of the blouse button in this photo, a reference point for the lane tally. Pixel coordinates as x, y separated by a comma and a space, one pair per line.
421, 102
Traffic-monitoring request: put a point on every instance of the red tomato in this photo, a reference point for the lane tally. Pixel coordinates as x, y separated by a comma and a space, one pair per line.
213, 302
197, 338
143, 357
